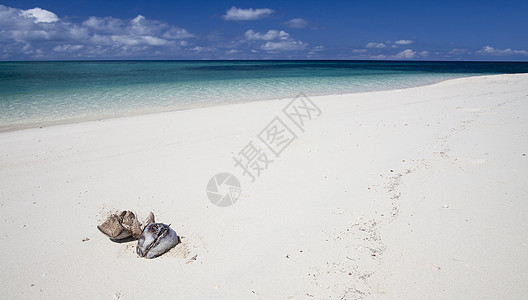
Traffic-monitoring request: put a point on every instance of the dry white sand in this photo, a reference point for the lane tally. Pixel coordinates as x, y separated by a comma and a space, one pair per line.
415, 193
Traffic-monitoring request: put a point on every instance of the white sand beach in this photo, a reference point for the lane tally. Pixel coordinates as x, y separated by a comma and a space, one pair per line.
419, 193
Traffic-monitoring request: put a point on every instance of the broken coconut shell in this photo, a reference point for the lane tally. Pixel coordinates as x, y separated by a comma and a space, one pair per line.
124, 225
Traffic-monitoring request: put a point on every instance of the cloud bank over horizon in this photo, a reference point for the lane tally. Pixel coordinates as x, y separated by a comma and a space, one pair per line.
40, 34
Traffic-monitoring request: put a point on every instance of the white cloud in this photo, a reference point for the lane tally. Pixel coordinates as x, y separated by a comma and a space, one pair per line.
359, 51
176, 33
107, 24
153, 41
138, 31
406, 54
493, 51
130, 40
246, 14
26, 33
68, 48
29, 36
375, 45
488, 50
284, 46
409, 54
275, 41
458, 51
138, 19
298, 23
403, 42
40, 15
268, 36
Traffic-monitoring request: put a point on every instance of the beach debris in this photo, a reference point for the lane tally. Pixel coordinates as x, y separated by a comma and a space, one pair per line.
192, 259
124, 225
155, 240
85, 240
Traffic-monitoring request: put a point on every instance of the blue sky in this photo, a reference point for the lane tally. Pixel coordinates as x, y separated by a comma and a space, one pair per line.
164, 29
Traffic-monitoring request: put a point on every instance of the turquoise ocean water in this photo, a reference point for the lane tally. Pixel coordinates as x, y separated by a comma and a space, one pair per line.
38, 93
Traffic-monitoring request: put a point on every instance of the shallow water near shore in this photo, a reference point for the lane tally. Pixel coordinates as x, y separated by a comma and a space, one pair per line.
39, 93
